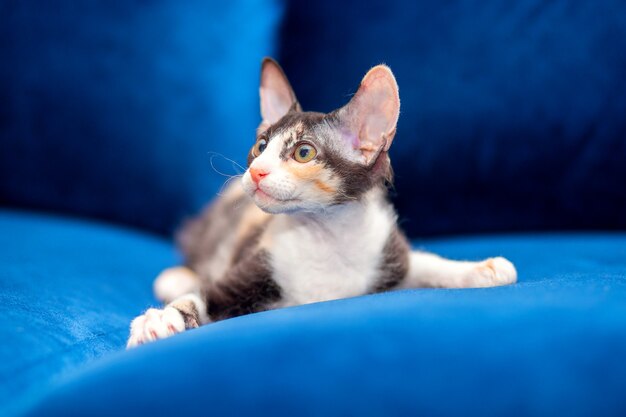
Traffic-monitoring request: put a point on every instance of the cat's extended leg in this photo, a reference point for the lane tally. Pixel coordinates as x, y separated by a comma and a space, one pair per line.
186, 312
430, 270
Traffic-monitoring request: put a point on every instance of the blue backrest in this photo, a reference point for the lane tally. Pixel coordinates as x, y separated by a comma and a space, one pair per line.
513, 113
110, 108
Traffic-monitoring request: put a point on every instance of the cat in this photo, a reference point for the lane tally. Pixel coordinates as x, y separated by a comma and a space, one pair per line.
308, 222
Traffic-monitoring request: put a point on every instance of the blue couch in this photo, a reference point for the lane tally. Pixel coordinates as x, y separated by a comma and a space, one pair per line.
119, 119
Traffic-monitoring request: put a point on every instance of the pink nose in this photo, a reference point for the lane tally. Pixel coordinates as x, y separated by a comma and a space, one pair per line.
257, 174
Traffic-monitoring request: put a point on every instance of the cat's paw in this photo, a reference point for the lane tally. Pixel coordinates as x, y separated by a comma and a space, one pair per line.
155, 324
493, 272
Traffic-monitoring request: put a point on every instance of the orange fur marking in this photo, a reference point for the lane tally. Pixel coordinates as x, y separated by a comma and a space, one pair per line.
304, 172
489, 264
324, 187
310, 172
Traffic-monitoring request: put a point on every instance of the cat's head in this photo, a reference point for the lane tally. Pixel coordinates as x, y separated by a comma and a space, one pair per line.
307, 161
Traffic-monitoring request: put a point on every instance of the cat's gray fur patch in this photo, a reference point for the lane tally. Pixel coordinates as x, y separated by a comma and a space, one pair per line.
248, 287
394, 265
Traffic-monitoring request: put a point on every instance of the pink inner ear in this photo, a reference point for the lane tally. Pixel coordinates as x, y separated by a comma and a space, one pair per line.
277, 97
274, 104
373, 112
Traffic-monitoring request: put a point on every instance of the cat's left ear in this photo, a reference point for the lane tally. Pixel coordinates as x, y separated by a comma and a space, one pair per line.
277, 96
370, 118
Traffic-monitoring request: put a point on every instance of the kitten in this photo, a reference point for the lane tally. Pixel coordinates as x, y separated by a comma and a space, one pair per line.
310, 220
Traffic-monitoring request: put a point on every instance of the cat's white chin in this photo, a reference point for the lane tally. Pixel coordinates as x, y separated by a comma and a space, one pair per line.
273, 205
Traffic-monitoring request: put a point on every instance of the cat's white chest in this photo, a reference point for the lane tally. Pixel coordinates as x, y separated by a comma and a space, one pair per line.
312, 263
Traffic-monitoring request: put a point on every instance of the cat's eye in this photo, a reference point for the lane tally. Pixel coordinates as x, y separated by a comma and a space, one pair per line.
259, 147
304, 153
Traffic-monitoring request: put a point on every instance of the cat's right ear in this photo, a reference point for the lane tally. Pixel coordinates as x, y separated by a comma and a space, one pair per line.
277, 96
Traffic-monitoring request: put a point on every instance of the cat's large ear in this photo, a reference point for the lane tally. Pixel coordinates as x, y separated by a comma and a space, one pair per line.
277, 96
370, 118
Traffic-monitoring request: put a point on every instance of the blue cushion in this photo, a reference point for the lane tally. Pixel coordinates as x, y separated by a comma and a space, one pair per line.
553, 344
512, 112
111, 108
69, 289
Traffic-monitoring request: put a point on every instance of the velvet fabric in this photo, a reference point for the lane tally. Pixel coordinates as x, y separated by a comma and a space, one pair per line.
512, 114
553, 344
512, 119
68, 291
125, 110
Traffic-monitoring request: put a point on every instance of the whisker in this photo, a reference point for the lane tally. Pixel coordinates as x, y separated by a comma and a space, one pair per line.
236, 167
227, 182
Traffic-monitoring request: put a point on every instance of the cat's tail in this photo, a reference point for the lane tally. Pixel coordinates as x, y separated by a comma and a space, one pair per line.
175, 282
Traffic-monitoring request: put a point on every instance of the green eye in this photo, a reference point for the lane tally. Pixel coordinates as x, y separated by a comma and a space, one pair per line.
304, 153
259, 147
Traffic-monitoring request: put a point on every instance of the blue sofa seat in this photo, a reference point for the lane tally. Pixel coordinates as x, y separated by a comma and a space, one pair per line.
68, 290
553, 344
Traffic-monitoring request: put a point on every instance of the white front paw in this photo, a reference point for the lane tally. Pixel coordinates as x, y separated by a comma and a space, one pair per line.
155, 324
494, 272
